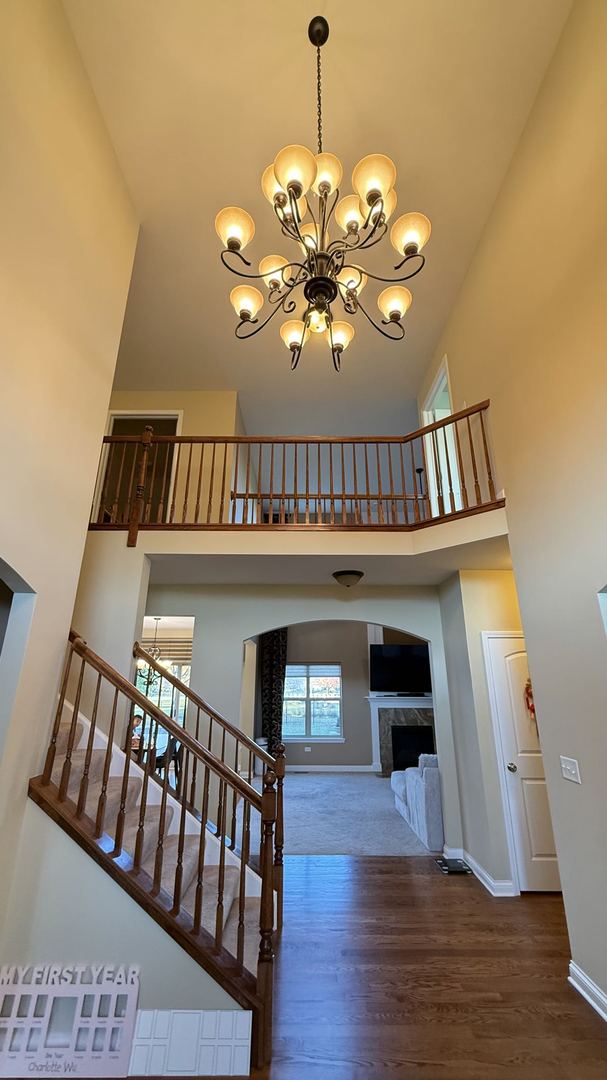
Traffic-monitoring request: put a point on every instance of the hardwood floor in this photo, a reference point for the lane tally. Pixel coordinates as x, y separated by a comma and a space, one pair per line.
389, 970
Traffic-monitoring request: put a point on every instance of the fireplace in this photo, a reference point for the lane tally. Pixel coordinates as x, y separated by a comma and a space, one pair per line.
408, 742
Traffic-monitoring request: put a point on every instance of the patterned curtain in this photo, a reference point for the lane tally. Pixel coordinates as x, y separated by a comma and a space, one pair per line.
272, 666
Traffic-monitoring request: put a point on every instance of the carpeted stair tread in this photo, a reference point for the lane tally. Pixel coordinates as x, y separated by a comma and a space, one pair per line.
113, 796
63, 736
252, 906
150, 831
169, 862
77, 768
210, 880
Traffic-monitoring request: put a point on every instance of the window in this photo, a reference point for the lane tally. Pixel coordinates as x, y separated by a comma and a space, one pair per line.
312, 702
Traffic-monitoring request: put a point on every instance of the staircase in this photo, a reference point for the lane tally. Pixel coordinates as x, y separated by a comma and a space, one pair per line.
187, 818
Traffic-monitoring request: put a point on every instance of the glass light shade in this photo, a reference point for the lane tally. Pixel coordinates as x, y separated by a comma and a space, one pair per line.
394, 302
389, 206
246, 301
271, 268
352, 277
234, 227
348, 215
295, 166
271, 188
374, 175
141, 664
291, 333
317, 322
342, 334
411, 231
308, 233
329, 172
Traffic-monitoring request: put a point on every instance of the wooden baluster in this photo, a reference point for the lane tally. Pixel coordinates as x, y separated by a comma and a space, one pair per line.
344, 509
318, 484
477, 490
357, 514
250, 767
175, 482
449, 479
186, 494
258, 500
223, 482
148, 764
106, 466
462, 474
368, 485
331, 494
116, 502
67, 764
159, 858
222, 865
296, 488
130, 496
147, 510
307, 518
271, 486
201, 853
380, 494
487, 460
425, 495
234, 507
391, 479
265, 962
279, 839
234, 800
282, 516
100, 819
181, 839
415, 491
245, 506
52, 746
166, 480
403, 480
119, 834
195, 764
220, 809
211, 484
139, 501
242, 888
88, 753
199, 485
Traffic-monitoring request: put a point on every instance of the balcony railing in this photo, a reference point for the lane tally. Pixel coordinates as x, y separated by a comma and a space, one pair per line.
406, 482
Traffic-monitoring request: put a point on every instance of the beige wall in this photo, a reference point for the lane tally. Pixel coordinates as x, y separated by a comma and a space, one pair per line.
342, 643
68, 241
205, 412
227, 616
529, 331
472, 602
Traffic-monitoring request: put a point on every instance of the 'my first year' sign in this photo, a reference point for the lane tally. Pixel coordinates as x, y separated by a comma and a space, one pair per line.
67, 1019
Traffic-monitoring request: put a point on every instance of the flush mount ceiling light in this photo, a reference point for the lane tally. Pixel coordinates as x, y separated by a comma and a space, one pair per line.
303, 189
348, 578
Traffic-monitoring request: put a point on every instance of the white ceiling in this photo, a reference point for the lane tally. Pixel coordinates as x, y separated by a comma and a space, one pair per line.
430, 568
198, 99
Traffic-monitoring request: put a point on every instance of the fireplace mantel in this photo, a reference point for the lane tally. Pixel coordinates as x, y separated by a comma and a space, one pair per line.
402, 704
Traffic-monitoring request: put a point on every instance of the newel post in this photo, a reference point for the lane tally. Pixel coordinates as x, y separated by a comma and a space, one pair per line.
139, 500
279, 838
265, 965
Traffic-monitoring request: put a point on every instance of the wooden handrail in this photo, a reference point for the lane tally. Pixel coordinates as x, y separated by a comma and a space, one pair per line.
130, 691
237, 733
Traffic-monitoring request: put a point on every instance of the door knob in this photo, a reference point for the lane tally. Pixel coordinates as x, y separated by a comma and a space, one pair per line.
512, 767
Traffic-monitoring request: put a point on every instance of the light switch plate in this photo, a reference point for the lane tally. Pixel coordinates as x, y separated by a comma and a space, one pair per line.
307, 749
571, 769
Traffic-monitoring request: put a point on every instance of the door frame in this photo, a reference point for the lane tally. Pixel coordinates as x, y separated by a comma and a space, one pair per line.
109, 423
440, 382
486, 637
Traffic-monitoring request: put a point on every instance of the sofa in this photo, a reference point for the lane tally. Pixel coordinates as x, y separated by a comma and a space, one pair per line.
417, 796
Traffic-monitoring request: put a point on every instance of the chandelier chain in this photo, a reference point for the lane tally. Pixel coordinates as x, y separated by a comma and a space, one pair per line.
319, 98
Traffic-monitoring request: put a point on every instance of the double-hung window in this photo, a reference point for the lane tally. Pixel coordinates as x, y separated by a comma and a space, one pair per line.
312, 702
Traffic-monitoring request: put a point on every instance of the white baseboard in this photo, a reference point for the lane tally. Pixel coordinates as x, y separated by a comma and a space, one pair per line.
333, 768
453, 852
496, 886
588, 989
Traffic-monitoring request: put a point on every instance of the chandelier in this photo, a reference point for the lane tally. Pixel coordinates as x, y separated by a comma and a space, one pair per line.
303, 189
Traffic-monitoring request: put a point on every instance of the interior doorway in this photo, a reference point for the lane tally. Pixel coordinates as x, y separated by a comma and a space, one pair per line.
531, 844
119, 473
440, 450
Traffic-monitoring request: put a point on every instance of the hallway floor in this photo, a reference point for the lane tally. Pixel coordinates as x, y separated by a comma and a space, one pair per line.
388, 969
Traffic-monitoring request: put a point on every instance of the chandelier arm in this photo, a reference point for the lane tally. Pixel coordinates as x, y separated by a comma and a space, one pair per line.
348, 298
391, 337
335, 353
232, 269
396, 280
285, 225
415, 255
377, 234
286, 305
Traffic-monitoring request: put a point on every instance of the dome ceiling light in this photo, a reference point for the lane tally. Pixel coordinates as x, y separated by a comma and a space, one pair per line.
303, 189
348, 578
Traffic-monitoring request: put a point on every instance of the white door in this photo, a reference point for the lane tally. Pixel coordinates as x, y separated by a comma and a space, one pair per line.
520, 761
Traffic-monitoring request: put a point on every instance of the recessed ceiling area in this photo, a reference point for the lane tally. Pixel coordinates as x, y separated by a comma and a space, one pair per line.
429, 568
198, 98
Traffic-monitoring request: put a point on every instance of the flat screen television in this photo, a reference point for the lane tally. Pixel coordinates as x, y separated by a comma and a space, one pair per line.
399, 669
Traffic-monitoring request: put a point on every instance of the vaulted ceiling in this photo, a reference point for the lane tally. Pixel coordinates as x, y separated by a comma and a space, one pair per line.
199, 97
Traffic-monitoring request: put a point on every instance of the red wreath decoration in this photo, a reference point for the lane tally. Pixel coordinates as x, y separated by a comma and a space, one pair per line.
529, 703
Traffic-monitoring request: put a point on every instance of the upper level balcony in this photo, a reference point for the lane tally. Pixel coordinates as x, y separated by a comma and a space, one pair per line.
439, 473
